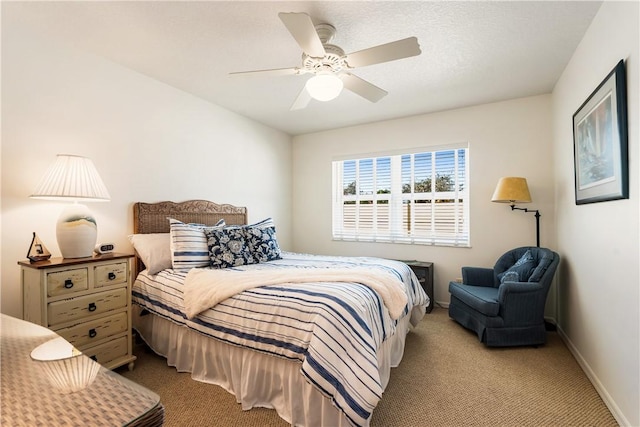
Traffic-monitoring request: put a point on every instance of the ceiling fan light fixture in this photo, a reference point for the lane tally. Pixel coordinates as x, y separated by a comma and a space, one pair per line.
324, 87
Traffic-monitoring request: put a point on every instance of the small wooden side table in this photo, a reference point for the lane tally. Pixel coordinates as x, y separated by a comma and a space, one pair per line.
85, 300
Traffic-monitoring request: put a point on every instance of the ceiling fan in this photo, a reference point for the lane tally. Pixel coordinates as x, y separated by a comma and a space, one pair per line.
329, 64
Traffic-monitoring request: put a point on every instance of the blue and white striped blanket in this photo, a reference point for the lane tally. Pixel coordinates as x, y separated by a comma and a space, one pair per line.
333, 328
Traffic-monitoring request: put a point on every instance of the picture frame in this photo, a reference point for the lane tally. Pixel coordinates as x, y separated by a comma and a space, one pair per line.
600, 145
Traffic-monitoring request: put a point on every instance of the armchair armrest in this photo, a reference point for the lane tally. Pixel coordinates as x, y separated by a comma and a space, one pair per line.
478, 276
522, 303
515, 289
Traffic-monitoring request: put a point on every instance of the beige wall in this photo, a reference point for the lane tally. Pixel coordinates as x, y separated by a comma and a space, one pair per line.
599, 279
511, 138
149, 141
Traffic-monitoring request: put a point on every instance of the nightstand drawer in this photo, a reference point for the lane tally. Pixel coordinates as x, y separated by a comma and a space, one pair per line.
95, 330
67, 281
87, 305
110, 274
105, 353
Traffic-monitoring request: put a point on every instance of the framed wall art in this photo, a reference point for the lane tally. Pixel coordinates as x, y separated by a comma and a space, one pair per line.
600, 142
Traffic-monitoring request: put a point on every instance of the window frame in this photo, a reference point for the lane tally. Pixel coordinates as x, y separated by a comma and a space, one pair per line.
396, 199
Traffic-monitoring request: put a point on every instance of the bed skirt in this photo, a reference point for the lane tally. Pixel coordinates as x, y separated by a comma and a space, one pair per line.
258, 379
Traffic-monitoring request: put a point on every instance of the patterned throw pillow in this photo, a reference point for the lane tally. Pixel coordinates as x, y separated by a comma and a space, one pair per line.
262, 241
227, 247
510, 276
189, 244
520, 271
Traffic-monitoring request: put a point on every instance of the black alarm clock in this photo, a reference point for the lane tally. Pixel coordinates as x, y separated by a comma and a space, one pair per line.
104, 248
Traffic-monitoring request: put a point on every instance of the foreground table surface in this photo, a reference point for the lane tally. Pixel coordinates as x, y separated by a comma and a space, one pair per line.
29, 399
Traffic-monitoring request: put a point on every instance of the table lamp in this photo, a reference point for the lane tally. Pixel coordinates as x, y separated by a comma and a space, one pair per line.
74, 178
514, 190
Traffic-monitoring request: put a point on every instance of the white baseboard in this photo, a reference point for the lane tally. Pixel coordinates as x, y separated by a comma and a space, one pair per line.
441, 304
602, 391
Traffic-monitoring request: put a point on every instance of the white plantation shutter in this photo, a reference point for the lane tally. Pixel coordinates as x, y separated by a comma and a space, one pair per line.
419, 197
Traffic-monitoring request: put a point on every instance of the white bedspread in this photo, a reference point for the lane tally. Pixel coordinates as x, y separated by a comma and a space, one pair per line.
205, 288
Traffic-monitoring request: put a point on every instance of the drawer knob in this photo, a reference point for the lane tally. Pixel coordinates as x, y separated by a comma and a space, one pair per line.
68, 284
112, 275
92, 306
92, 333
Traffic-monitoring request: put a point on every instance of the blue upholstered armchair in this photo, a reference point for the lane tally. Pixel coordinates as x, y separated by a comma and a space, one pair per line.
504, 305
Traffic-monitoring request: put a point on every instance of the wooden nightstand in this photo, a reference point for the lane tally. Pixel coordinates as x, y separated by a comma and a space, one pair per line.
85, 300
424, 273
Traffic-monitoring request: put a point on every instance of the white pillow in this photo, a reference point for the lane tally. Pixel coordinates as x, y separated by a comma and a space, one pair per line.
153, 249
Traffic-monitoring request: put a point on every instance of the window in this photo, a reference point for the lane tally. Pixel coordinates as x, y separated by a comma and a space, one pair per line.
419, 197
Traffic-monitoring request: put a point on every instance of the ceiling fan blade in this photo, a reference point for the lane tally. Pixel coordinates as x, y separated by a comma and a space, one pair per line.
302, 29
272, 72
302, 100
385, 52
362, 87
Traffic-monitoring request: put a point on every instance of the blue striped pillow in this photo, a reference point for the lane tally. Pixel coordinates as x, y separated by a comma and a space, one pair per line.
189, 247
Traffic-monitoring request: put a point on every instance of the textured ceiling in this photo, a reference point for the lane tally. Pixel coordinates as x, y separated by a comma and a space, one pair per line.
472, 52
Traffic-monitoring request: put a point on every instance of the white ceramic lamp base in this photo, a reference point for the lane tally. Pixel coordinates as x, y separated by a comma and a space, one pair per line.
76, 232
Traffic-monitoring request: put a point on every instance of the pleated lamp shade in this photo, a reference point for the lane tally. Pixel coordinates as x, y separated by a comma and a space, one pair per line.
74, 178
66, 368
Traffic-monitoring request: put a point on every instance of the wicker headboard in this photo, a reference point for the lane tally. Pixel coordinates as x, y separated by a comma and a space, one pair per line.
152, 217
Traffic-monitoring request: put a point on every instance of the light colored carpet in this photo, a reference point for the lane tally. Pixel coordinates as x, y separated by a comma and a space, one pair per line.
447, 378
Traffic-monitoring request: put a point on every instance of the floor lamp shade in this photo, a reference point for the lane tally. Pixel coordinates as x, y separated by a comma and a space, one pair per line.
75, 179
512, 189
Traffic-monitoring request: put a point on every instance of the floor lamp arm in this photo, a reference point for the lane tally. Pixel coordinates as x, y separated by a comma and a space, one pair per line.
537, 215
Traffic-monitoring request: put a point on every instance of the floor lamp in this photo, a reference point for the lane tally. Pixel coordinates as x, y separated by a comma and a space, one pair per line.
514, 190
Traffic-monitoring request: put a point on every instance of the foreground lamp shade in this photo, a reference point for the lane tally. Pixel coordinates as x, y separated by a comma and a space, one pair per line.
324, 87
512, 190
66, 368
74, 178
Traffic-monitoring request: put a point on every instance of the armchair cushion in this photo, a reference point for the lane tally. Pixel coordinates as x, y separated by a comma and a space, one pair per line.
481, 298
544, 263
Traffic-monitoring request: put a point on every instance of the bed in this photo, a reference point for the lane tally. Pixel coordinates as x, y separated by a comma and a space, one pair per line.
318, 349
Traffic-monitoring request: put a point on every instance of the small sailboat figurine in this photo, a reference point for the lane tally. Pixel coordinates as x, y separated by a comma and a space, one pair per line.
37, 250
